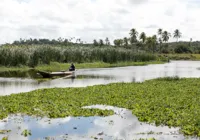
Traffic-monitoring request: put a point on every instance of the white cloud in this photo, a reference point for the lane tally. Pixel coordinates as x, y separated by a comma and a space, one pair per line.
89, 19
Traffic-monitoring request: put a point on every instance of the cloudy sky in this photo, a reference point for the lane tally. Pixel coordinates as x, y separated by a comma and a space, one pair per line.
89, 19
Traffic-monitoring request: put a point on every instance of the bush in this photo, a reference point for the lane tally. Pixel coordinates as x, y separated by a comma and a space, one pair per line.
182, 49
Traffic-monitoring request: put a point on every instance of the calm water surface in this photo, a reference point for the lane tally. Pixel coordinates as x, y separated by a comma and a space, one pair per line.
121, 126
89, 77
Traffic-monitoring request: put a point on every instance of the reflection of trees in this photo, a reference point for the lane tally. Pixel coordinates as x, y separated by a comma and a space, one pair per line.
18, 73
72, 79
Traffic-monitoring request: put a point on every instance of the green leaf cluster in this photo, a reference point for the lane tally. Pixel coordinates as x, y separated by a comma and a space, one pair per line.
169, 101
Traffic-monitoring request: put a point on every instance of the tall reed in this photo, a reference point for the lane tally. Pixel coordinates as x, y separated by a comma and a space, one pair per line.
44, 54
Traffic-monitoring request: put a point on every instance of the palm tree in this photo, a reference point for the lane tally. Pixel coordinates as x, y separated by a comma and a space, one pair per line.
190, 42
154, 42
177, 34
78, 40
101, 43
160, 42
125, 41
107, 41
151, 42
160, 32
133, 34
121, 41
143, 37
154, 37
95, 43
118, 42
165, 36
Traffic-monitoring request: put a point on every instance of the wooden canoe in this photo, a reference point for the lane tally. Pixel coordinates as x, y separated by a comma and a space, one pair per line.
52, 74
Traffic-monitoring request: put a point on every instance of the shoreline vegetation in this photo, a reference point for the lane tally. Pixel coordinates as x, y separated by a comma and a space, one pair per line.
167, 101
55, 66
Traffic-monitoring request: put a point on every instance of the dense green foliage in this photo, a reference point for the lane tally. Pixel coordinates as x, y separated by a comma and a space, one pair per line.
168, 101
34, 55
182, 56
182, 49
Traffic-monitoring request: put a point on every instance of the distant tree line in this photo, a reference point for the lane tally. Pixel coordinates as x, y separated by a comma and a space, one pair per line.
59, 41
158, 43
138, 42
148, 43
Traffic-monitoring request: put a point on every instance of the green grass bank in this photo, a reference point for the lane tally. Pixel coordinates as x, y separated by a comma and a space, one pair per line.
55, 66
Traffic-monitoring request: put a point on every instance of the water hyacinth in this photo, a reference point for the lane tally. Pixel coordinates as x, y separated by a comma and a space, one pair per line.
26, 133
169, 101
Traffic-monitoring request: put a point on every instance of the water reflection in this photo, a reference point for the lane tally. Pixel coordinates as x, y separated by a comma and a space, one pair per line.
122, 125
25, 74
89, 77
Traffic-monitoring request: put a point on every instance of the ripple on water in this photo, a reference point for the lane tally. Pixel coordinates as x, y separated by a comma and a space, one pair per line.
122, 125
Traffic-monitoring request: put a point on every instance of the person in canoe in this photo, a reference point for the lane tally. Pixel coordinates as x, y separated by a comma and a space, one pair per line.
72, 67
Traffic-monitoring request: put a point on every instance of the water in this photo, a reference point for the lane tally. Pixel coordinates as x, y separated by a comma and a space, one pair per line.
89, 77
123, 125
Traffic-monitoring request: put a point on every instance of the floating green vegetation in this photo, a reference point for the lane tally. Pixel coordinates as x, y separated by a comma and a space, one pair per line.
5, 138
150, 133
4, 131
166, 101
26, 133
145, 139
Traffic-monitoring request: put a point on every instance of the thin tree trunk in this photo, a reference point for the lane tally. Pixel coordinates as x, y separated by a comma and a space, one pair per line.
160, 47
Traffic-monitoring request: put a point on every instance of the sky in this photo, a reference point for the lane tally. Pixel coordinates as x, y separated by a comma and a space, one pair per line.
96, 19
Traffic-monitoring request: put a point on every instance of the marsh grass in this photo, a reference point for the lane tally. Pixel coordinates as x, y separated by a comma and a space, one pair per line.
44, 54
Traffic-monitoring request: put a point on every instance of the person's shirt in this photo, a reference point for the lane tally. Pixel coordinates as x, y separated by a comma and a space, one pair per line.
72, 67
